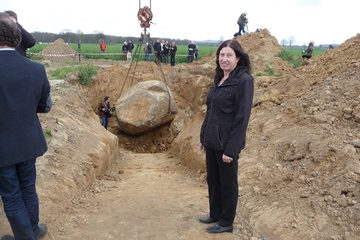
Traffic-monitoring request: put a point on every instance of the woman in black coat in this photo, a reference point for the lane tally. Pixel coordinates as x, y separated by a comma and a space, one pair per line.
223, 132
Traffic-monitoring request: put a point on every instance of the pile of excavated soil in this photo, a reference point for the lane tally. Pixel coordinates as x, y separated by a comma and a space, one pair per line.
59, 51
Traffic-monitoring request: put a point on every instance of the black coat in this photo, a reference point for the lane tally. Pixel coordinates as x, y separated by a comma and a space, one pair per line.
24, 91
27, 41
228, 112
173, 50
157, 47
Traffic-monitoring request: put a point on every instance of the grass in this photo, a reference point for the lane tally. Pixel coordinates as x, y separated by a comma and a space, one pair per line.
293, 55
113, 51
48, 133
85, 72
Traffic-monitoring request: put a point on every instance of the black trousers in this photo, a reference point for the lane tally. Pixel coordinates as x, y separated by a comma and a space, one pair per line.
172, 59
222, 179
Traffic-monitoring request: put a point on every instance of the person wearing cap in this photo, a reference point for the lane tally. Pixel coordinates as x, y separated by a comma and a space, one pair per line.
242, 21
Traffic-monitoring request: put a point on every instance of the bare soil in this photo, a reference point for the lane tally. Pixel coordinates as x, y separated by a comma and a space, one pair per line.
299, 174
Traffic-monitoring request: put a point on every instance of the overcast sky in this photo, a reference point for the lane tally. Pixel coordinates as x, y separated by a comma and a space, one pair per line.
321, 21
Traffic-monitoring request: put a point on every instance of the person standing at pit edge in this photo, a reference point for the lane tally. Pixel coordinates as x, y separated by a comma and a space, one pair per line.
125, 49
191, 52
173, 49
27, 40
223, 132
157, 49
130, 46
23, 94
242, 21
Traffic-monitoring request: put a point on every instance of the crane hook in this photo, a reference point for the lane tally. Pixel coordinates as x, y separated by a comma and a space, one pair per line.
145, 16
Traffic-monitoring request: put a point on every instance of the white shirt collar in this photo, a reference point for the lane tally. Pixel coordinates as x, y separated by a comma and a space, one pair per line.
6, 48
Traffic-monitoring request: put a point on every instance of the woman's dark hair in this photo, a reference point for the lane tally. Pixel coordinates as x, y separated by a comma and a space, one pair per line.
106, 98
244, 57
10, 34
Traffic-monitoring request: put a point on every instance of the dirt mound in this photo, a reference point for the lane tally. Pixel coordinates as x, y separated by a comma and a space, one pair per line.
58, 51
262, 48
317, 69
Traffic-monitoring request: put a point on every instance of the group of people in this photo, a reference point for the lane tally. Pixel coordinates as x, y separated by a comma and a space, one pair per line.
222, 134
163, 50
127, 50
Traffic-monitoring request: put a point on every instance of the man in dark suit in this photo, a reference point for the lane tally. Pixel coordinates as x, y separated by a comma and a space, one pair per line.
24, 92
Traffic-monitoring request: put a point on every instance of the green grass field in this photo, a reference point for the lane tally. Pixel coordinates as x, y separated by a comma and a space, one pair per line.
113, 52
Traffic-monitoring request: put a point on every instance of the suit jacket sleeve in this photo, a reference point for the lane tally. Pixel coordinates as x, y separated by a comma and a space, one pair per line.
45, 102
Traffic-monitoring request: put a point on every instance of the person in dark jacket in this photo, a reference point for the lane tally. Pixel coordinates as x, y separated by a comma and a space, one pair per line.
125, 49
149, 52
242, 21
223, 132
166, 51
105, 111
23, 95
191, 52
157, 49
308, 52
130, 46
27, 40
173, 49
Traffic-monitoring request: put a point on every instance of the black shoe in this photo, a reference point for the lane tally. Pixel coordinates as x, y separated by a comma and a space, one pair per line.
219, 229
42, 231
7, 237
207, 220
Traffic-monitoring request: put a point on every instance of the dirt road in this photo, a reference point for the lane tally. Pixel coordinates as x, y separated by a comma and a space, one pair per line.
142, 196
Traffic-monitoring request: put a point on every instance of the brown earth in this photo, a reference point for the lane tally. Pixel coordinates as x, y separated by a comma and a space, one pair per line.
299, 174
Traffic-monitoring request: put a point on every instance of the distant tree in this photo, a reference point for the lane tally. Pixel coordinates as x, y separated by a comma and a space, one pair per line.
80, 34
283, 42
100, 36
291, 40
66, 35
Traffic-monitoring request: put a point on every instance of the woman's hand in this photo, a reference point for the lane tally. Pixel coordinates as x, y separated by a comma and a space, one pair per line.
226, 159
202, 148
